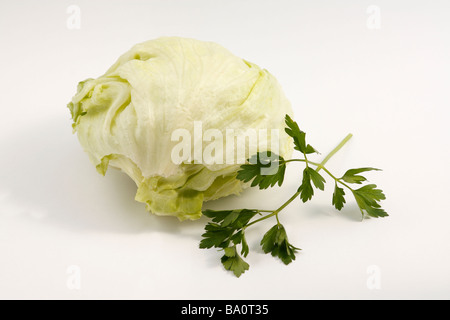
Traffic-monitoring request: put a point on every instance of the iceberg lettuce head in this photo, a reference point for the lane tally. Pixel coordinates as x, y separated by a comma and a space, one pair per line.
127, 117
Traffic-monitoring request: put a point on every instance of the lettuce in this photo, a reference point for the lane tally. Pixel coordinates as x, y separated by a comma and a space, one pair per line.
125, 119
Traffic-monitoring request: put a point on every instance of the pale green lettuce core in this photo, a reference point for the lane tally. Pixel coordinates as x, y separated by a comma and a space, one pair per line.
125, 118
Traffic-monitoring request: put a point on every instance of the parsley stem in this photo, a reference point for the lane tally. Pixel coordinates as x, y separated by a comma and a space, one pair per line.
330, 155
321, 165
306, 160
275, 213
335, 150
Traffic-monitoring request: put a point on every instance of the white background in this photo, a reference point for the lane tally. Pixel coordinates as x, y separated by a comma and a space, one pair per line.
388, 86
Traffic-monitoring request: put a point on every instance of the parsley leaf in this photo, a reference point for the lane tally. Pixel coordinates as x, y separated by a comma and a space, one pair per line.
265, 168
306, 190
226, 231
376, 212
338, 197
232, 261
370, 194
239, 238
276, 242
234, 219
226, 223
317, 179
351, 176
299, 136
367, 198
216, 236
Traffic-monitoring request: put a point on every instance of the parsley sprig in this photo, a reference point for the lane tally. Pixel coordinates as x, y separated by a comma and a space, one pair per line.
227, 228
